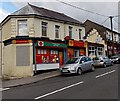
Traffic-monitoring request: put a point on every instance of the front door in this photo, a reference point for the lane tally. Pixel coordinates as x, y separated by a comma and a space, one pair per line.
61, 58
76, 53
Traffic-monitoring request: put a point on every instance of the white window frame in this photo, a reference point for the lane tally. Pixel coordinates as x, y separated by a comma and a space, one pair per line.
70, 31
24, 30
44, 25
57, 31
80, 32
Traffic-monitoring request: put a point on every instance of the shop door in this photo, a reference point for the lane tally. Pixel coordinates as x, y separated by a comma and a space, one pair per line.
76, 53
61, 58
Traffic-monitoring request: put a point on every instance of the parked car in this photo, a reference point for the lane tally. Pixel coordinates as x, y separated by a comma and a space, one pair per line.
77, 65
115, 59
103, 61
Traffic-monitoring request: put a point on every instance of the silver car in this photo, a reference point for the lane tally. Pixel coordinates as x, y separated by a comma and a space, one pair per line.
77, 65
103, 61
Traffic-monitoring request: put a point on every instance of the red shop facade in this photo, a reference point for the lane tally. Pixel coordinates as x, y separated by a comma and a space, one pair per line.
76, 48
50, 55
112, 51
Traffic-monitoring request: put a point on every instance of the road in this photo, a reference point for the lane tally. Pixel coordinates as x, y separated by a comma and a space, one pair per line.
100, 84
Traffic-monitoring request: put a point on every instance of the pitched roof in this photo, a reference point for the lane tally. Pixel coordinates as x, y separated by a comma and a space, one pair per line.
34, 10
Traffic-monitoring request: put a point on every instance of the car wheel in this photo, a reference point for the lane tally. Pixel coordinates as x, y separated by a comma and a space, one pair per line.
104, 65
79, 71
93, 69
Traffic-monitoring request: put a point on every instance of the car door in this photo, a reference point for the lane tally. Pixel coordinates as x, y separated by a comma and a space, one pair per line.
107, 61
89, 63
83, 63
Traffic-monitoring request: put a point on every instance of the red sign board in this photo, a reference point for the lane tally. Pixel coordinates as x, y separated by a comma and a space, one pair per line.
78, 43
21, 41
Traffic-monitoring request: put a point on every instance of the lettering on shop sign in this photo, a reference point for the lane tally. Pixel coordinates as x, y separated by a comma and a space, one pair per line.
21, 41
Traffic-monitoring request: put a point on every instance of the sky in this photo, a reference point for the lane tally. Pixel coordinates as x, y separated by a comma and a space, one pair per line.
103, 7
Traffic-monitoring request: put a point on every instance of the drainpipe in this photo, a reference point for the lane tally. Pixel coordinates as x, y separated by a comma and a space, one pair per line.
34, 56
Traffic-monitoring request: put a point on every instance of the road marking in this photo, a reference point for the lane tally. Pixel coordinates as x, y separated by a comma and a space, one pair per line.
3, 89
105, 74
59, 90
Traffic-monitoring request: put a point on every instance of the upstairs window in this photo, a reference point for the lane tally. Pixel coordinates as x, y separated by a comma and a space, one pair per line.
57, 28
44, 29
22, 28
70, 32
80, 30
115, 39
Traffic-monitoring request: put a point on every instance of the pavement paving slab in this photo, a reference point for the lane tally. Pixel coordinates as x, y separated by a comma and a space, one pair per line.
29, 80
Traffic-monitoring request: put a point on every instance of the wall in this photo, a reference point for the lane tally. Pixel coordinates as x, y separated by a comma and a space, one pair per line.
64, 31
50, 28
75, 31
6, 30
10, 69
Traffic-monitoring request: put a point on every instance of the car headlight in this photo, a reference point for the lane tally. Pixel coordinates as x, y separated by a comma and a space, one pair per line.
73, 68
117, 58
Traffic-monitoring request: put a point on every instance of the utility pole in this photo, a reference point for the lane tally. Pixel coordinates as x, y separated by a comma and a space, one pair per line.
111, 23
1, 52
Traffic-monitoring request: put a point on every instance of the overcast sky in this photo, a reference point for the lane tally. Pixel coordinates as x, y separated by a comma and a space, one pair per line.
104, 8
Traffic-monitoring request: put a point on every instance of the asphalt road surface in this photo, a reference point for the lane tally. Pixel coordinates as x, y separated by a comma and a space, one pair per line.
100, 84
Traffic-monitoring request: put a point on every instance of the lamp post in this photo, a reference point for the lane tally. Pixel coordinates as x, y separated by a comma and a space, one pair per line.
111, 17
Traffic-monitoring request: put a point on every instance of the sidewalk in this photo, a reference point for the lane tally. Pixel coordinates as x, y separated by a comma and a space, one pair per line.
29, 80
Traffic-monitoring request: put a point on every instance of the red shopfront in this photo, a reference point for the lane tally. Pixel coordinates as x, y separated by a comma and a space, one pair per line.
76, 48
50, 53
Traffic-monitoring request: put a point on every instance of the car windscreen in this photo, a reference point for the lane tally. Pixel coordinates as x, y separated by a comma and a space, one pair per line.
72, 60
95, 58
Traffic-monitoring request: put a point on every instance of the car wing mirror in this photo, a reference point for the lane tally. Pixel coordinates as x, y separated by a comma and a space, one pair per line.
82, 62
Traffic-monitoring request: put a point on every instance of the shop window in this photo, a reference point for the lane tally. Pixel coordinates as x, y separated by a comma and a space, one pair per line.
39, 51
54, 56
91, 50
70, 32
44, 29
47, 56
22, 28
22, 55
100, 50
57, 28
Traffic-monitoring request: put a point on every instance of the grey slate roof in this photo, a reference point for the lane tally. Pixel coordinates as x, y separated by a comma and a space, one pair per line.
31, 9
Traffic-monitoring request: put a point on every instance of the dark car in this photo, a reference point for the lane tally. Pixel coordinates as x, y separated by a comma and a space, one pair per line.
115, 59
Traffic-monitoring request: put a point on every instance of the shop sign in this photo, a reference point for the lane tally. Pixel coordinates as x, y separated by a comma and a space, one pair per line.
71, 43
78, 43
51, 44
21, 41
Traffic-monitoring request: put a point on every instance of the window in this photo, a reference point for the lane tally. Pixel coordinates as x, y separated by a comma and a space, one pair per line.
91, 50
100, 50
54, 52
42, 51
70, 32
80, 30
83, 59
44, 29
89, 59
115, 38
22, 28
22, 56
57, 31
